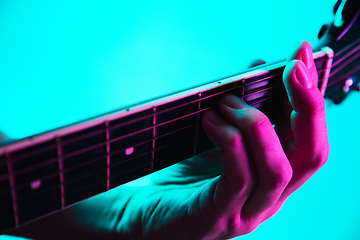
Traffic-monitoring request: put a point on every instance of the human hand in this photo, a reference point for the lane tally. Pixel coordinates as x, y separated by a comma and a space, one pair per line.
229, 191
259, 166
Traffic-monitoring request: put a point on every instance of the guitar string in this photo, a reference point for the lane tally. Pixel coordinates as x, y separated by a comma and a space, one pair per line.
223, 91
137, 156
102, 144
55, 174
88, 162
90, 148
347, 50
116, 152
96, 184
135, 120
57, 187
159, 113
342, 77
345, 63
101, 131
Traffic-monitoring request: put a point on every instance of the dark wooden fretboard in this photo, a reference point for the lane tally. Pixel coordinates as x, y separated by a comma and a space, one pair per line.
51, 171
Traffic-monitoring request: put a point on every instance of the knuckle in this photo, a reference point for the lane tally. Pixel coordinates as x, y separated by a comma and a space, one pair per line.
250, 226
319, 160
316, 158
280, 178
235, 140
260, 121
248, 185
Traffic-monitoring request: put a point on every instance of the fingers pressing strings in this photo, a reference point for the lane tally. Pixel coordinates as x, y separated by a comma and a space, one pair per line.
273, 169
301, 52
239, 176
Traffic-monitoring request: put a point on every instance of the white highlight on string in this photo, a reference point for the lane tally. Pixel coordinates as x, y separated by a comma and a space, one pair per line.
129, 150
35, 184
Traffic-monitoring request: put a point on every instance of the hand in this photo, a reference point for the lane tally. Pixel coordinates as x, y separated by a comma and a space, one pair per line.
225, 192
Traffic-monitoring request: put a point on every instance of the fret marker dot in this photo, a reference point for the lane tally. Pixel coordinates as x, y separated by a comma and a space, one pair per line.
129, 150
35, 184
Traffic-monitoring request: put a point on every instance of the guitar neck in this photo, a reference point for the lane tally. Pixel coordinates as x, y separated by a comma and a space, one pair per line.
54, 170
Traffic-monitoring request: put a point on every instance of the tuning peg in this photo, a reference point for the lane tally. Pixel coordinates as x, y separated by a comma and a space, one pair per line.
350, 85
336, 7
323, 30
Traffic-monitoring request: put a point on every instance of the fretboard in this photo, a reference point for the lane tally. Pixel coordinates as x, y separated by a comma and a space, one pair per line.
48, 172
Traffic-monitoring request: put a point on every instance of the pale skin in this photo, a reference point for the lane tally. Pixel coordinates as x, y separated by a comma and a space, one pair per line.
223, 193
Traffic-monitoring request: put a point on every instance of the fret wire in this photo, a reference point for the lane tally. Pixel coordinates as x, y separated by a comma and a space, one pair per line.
107, 155
98, 158
188, 103
136, 132
153, 140
154, 125
113, 153
13, 188
22, 171
66, 142
69, 141
158, 148
51, 147
197, 124
101, 131
61, 172
243, 89
345, 63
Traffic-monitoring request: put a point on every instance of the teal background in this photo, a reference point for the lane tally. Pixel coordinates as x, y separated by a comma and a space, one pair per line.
62, 62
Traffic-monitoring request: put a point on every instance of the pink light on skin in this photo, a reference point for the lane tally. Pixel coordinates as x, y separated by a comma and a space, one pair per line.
35, 184
129, 151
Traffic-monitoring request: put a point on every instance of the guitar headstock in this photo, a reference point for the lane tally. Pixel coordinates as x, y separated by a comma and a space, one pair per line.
343, 36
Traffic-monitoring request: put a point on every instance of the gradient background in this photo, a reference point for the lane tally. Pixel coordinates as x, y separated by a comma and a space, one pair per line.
65, 61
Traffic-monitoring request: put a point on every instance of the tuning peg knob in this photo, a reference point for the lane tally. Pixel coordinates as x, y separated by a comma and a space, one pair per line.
336, 7
350, 84
323, 30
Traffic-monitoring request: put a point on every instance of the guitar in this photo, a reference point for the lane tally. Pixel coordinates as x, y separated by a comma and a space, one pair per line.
48, 172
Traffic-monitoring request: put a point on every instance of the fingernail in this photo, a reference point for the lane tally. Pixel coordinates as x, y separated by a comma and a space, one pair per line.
307, 58
303, 77
234, 102
213, 117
